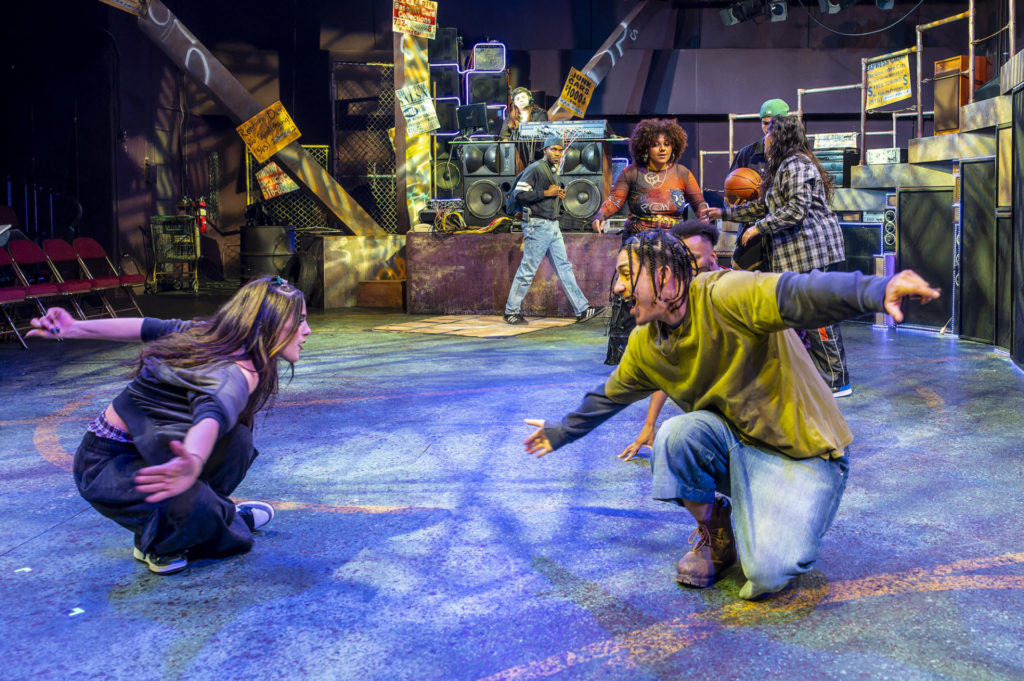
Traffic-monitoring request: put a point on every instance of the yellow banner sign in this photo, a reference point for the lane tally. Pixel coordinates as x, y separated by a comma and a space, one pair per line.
576, 94
888, 81
268, 132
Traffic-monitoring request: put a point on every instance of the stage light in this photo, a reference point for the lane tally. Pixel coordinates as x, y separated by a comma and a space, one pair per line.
885, 4
778, 10
833, 6
742, 11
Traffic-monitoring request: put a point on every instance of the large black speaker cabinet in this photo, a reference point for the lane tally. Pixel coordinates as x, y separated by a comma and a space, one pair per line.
863, 241
487, 88
443, 48
925, 245
1015, 243
978, 273
445, 81
487, 174
586, 172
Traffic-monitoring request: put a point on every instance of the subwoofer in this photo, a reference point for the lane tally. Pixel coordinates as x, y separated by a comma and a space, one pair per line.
487, 174
586, 172
447, 177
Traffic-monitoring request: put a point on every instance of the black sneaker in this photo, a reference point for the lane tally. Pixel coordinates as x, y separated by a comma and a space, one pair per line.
256, 514
515, 318
166, 564
589, 314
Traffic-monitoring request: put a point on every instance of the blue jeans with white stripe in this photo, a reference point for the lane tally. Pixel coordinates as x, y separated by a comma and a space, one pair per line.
544, 237
782, 506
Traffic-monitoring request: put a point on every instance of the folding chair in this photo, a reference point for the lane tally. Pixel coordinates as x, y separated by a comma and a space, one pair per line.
11, 293
68, 268
38, 275
95, 260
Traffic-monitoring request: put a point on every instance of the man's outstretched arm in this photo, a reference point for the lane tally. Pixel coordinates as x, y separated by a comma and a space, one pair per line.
595, 409
818, 298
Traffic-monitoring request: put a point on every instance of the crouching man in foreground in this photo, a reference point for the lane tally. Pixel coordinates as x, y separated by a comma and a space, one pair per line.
761, 427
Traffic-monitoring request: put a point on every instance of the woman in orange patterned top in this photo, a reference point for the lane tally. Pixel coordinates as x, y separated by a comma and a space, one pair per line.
656, 188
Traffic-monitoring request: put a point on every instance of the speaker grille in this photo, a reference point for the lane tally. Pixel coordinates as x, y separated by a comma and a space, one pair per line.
582, 198
485, 199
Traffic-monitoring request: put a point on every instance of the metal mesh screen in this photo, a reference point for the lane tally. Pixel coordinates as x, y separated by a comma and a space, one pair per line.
364, 121
295, 208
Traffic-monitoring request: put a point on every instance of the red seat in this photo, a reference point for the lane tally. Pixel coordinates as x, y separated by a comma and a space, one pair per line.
39, 276
11, 293
97, 264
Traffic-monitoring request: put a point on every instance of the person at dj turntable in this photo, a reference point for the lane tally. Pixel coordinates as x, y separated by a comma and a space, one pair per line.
539, 189
523, 110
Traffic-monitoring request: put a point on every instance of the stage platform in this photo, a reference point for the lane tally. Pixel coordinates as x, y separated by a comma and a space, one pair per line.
472, 273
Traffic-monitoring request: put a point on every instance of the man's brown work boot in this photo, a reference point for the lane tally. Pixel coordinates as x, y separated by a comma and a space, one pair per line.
714, 549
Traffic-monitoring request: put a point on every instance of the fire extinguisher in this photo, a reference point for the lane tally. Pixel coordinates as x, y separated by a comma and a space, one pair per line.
201, 216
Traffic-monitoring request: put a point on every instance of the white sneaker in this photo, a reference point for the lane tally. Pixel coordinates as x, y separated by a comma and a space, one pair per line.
256, 514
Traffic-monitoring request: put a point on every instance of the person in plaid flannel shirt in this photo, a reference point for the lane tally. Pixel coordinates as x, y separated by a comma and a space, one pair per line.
799, 231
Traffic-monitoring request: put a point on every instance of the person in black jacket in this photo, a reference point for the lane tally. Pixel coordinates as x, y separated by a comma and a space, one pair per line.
540, 190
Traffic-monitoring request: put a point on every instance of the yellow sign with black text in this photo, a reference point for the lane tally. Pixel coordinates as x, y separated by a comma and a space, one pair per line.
268, 132
888, 81
576, 94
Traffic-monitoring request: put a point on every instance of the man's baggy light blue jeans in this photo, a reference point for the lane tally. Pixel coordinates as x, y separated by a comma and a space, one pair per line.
544, 237
782, 506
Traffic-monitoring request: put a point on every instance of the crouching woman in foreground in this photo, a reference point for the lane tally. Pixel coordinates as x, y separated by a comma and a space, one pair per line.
163, 457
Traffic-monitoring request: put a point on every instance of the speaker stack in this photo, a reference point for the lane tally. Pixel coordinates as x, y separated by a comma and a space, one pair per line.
889, 230
586, 173
488, 170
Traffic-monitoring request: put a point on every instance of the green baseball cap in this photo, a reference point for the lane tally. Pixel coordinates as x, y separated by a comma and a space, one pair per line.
774, 107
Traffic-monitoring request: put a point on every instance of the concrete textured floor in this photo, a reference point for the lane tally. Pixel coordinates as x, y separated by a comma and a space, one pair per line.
415, 540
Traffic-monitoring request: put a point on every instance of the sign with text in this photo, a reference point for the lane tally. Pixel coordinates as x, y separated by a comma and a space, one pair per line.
835, 140
417, 109
888, 81
576, 94
274, 182
415, 17
268, 132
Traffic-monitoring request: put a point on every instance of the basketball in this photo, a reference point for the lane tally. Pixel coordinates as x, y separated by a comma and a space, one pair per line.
742, 184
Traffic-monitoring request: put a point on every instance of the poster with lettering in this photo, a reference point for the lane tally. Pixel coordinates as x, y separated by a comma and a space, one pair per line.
576, 94
268, 132
415, 17
888, 81
273, 181
417, 109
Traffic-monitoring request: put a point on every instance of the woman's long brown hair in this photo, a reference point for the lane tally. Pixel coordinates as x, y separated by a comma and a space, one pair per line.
255, 324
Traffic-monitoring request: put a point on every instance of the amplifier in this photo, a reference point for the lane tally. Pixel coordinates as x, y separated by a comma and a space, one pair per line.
564, 129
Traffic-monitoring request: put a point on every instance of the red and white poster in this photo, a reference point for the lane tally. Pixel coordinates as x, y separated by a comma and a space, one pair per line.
273, 181
415, 17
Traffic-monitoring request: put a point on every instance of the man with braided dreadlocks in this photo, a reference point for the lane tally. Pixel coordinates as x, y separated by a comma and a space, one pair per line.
760, 427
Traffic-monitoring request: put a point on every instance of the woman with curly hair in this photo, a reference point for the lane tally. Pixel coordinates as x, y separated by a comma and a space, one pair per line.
656, 187
799, 232
163, 457
658, 191
523, 109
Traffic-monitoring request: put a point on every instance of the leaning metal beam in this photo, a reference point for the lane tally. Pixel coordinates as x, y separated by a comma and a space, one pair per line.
178, 43
611, 51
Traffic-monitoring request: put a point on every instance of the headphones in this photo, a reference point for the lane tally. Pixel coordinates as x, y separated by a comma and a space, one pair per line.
521, 89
